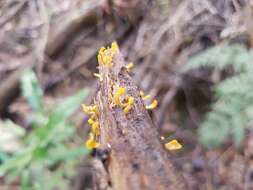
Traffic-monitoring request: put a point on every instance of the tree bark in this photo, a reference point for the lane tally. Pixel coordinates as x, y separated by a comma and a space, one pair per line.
136, 159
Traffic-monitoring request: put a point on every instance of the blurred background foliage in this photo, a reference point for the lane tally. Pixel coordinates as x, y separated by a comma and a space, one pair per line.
48, 154
232, 111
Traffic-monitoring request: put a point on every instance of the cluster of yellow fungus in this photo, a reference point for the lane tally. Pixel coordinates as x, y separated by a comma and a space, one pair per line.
151, 106
93, 122
128, 105
171, 145
104, 57
123, 100
118, 97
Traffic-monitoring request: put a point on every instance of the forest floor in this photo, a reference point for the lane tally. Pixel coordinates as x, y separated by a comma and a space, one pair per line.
59, 40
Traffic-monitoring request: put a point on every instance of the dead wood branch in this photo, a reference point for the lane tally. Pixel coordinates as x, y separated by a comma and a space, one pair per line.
10, 86
71, 24
136, 158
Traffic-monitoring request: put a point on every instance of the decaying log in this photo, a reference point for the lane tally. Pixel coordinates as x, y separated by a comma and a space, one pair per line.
136, 159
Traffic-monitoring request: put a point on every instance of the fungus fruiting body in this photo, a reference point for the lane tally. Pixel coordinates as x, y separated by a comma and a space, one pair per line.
153, 105
93, 122
129, 66
143, 96
129, 104
117, 97
105, 57
98, 76
173, 145
95, 128
91, 143
118, 94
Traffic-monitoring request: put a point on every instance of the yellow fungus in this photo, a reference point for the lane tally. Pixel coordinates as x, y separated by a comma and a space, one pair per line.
98, 76
94, 109
173, 145
129, 66
152, 105
130, 100
127, 109
90, 121
86, 109
110, 97
117, 95
91, 143
100, 59
102, 49
143, 96
128, 105
95, 128
89, 110
114, 46
108, 61
146, 97
101, 56
105, 56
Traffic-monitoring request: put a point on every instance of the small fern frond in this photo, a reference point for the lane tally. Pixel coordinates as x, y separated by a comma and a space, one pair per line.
221, 56
225, 120
240, 85
233, 109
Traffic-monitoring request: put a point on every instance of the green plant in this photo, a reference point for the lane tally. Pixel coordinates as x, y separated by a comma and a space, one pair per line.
233, 108
49, 152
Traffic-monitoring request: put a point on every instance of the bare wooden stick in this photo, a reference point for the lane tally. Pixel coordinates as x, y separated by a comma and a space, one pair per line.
74, 22
9, 88
136, 158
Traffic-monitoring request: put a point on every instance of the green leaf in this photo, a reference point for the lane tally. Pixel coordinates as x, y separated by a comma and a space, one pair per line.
64, 154
25, 180
3, 157
66, 108
31, 90
17, 163
60, 114
238, 130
